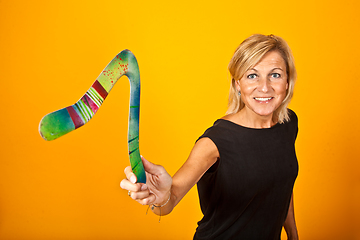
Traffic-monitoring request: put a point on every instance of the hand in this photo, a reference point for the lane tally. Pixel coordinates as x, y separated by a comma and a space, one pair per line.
157, 188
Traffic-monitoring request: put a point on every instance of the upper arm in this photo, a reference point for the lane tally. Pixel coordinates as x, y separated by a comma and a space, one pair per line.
203, 155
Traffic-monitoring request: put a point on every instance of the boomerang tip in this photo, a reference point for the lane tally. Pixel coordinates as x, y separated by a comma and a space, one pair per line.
55, 125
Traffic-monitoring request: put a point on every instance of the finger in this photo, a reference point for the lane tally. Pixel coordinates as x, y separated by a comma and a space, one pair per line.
127, 185
139, 195
130, 175
152, 168
148, 200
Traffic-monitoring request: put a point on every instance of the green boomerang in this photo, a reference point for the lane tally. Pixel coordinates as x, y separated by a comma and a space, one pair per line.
58, 123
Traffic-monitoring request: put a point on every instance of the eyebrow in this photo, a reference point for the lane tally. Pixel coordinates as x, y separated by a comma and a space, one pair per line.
253, 69
277, 68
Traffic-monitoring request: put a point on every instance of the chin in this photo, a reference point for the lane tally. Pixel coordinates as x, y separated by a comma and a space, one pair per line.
264, 112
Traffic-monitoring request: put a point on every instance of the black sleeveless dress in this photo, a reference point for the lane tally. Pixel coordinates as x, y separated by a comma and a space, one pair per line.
246, 193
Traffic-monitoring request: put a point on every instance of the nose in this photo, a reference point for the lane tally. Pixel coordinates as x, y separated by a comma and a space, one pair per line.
264, 85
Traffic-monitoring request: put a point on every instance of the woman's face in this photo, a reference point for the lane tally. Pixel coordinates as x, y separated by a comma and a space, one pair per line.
263, 87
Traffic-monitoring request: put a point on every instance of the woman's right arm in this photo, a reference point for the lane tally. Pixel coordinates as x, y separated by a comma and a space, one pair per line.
160, 188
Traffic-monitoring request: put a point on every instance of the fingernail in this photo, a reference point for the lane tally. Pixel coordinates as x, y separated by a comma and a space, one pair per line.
133, 179
143, 187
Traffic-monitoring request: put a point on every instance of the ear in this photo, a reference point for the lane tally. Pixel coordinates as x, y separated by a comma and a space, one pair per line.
237, 84
287, 86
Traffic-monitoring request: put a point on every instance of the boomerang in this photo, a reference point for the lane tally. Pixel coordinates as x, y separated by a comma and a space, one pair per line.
63, 121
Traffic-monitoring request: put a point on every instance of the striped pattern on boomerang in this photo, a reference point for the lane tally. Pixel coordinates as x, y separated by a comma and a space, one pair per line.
58, 123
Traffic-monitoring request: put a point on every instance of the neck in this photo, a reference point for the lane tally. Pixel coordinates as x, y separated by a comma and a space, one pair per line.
248, 118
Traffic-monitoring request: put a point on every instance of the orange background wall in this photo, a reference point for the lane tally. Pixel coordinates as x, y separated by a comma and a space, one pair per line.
52, 51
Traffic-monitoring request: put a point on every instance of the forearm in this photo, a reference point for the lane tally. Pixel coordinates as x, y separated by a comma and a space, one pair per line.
202, 157
179, 189
290, 224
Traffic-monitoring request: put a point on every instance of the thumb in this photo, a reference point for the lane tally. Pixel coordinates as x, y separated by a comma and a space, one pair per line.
151, 167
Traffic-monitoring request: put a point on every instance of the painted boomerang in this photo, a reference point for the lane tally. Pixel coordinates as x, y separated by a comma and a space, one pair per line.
58, 123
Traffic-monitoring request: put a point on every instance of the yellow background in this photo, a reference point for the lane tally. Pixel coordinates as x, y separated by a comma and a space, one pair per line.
52, 51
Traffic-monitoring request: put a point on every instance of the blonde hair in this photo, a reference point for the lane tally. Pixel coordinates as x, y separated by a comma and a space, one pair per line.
247, 55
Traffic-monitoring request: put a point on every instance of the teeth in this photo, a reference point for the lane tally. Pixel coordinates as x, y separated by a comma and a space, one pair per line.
263, 99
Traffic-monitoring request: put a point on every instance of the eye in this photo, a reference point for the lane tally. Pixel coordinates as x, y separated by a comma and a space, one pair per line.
251, 76
275, 75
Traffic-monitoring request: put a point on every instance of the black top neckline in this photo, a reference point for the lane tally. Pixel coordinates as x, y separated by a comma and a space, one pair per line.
249, 128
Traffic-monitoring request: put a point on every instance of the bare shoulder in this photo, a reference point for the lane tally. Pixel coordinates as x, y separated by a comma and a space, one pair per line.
237, 118
229, 117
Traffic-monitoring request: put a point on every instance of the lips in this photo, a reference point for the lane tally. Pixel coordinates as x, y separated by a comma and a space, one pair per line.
262, 99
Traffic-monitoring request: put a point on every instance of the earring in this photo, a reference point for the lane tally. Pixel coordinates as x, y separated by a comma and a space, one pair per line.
239, 93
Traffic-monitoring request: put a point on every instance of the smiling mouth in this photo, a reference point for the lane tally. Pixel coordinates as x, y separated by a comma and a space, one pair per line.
263, 99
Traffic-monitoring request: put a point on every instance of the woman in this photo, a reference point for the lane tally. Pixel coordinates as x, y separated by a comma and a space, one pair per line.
244, 165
